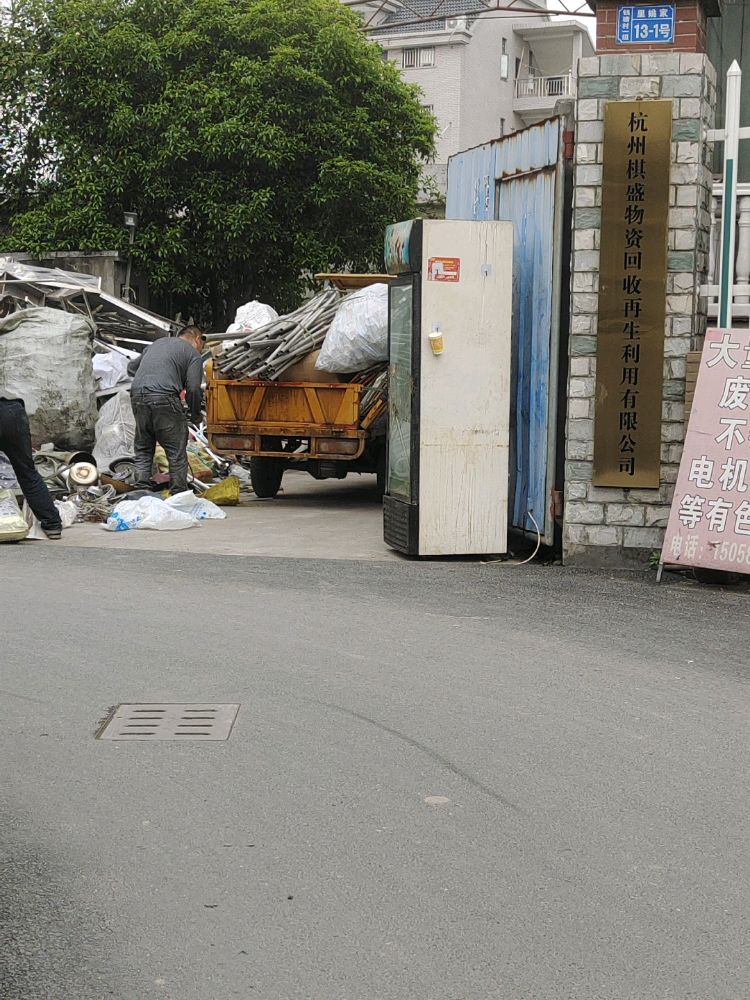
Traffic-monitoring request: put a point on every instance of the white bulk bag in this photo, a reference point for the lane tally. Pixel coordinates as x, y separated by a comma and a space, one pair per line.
45, 360
358, 337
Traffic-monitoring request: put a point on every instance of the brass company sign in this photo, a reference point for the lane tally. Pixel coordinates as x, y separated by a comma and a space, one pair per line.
632, 293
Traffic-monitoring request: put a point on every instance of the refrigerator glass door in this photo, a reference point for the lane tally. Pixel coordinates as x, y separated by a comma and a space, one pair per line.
400, 390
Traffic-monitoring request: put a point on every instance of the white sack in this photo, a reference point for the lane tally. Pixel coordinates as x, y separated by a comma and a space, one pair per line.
13, 528
67, 509
115, 431
110, 369
147, 512
252, 316
45, 360
358, 337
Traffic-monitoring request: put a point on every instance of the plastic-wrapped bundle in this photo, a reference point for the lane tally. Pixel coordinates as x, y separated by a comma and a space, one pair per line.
358, 337
115, 431
45, 360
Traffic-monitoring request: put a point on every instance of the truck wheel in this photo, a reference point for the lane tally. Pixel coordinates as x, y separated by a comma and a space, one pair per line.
265, 476
381, 471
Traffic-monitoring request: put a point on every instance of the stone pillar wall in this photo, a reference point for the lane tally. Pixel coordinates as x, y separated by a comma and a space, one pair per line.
610, 526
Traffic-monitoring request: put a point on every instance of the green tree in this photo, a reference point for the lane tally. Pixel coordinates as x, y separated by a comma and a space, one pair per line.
258, 140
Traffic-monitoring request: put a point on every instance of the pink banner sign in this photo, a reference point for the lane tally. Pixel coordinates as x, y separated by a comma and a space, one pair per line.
709, 523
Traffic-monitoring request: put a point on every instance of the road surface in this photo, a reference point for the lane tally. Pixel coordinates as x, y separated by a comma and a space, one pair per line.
445, 782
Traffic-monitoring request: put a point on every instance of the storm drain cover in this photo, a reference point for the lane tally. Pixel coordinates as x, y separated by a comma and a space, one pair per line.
170, 722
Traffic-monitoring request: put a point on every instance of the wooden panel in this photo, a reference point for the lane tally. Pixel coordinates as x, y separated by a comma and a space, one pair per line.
276, 404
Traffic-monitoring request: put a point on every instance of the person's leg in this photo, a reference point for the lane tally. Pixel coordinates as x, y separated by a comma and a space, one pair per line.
145, 444
171, 429
15, 441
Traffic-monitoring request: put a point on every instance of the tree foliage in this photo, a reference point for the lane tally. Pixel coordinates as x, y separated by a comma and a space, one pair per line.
258, 140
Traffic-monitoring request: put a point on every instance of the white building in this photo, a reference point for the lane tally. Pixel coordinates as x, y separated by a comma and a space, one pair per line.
483, 74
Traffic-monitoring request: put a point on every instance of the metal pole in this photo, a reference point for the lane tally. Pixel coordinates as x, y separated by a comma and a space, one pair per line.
131, 240
729, 206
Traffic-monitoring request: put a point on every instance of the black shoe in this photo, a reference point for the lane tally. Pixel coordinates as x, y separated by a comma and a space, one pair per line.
54, 534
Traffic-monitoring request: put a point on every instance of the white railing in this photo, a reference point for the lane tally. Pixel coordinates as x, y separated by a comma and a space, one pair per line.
544, 87
741, 274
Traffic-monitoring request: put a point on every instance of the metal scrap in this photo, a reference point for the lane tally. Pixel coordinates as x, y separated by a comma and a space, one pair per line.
115, 319
376, 381
96, 503
266, 353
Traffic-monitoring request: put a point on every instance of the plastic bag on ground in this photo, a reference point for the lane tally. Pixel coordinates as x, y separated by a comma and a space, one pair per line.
13, 527
196, 507
8, 479
67, 509
241, 473
226, 493
45, 359
115, 431
148, 512
252, 316
358, 336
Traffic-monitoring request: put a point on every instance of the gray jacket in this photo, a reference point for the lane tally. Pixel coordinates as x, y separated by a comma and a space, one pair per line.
167, 367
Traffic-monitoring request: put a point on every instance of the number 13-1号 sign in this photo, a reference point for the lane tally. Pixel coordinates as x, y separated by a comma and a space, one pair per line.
645, 25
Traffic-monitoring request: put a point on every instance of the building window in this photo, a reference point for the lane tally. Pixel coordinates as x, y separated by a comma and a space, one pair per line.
415, 58
430, 108
518, 68
504, 60
502, 126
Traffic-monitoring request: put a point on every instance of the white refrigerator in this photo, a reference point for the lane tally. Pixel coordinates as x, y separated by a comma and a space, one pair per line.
449, 387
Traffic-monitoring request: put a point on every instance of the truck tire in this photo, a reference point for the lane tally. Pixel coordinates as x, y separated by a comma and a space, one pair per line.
265, 476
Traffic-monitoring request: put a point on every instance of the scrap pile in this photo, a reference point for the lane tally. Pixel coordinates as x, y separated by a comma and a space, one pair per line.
267, 352
116, 321
376, 381
82, 340
333, 337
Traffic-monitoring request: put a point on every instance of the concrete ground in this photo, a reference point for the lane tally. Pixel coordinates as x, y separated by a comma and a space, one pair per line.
447, 781
330, 519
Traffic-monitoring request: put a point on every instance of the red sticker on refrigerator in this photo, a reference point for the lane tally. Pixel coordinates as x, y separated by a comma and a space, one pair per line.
444, 269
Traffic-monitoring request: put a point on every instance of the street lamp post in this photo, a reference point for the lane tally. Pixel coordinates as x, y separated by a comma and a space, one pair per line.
131, 224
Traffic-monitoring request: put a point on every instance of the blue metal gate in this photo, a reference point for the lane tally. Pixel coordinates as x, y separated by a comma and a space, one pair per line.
519, 179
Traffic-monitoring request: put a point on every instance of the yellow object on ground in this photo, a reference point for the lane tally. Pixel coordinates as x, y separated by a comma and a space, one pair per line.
198, 460
225, 494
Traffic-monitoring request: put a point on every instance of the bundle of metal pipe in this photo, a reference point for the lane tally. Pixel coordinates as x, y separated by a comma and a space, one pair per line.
267, 352
376, 381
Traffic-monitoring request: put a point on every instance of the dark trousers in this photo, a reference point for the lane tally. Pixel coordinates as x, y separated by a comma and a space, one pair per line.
160, 419
15, 441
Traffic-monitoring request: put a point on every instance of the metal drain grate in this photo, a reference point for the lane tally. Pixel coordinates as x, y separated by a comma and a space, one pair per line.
170, 722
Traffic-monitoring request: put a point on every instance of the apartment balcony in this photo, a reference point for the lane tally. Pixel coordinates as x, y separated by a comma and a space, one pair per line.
535, 97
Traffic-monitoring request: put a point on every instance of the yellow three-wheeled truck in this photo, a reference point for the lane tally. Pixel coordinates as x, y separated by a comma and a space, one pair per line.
322, 427
326, 429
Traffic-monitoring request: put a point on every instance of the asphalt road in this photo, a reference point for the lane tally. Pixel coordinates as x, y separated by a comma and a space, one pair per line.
446, 782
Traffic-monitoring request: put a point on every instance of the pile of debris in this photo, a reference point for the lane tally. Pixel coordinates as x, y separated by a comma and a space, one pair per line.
268, 352
82, 493
335, 336
76, 393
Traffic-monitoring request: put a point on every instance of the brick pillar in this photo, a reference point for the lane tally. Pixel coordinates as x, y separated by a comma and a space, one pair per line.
609, 526
690, 27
